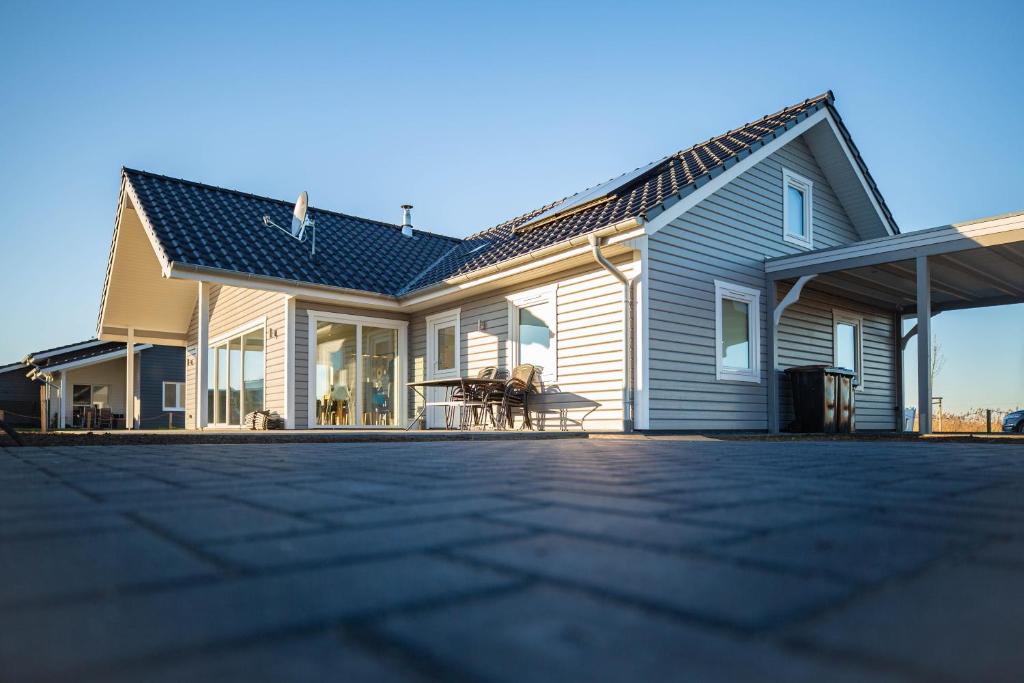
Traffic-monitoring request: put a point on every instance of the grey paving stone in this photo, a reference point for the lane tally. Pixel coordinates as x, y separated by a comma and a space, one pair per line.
716, 590
765, 516
347, 544
298, 500
222, 521
59, 524
851, 550
437, 509
635, 505
624, 528
549, 634
102, 561
959, 622
306, 659
72, 639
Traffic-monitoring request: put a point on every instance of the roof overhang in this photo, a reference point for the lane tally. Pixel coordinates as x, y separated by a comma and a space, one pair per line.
47, 371
832, 146
972, 265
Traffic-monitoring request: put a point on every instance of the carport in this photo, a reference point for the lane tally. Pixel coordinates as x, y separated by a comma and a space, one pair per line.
916, 274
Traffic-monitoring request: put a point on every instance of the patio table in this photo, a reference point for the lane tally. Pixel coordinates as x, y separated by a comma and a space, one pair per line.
465, 383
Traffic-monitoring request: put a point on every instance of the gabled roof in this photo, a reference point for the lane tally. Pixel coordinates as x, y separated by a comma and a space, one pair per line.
212, 227
201, 225
77, 354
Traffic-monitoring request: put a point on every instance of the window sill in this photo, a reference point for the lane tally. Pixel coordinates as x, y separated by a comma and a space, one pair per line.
807, 245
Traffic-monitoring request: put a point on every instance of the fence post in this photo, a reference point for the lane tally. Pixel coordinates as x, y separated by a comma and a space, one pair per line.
170, 420
988, 420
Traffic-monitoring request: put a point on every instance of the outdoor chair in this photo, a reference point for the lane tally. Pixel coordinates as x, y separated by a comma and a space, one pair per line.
474, 401
105, 419
516, 396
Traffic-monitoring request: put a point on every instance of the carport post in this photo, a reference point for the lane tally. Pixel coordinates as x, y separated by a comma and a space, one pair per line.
773, 379
203, 357
924, 346
129, 392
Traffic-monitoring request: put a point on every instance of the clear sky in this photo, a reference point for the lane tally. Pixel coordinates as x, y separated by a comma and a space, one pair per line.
475, 112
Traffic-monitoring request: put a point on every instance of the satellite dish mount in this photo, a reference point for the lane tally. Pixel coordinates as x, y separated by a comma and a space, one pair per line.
300, 221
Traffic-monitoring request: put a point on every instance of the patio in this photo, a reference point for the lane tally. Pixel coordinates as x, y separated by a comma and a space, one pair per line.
595, 559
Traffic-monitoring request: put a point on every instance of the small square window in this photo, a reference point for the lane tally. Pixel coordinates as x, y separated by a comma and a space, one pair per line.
737, 332
797, 212
174, 396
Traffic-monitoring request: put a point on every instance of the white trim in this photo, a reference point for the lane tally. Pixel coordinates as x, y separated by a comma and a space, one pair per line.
752, 297
201, 416
641, 340
401, 364
889, 227
179, 395
62, 420
92, 360
259, 321
806, 187
291, 328
62, 350
689, 201
850, 318
544, 294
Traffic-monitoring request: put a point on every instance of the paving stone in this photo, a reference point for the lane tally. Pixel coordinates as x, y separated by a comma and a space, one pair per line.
299, 500
59, 524
635, 505
223, 521
548, 634
851, 550
101, 561
955, 622
765, 516
69, 640
390, 514
325, 657
624, 528
716, 590
347, 544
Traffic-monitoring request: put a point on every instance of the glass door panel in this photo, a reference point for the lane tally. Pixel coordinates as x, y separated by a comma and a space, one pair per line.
221, 393
379, 348
252, 371
335, 379
235, 381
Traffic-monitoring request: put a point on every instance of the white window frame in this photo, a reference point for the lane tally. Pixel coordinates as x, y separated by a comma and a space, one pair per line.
547, 294
401, 366
751, 297
214, 342
179, 397
454, 315
806, 186
841, 316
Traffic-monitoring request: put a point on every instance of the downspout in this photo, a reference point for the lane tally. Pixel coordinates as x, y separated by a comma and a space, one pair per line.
628, 293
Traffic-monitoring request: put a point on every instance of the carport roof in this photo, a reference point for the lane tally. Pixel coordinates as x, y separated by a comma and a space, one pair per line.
972, 264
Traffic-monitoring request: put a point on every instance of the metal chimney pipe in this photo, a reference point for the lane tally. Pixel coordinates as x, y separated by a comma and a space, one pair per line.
407, 220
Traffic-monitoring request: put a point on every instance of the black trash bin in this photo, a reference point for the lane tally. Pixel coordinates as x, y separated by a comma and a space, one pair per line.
823, 399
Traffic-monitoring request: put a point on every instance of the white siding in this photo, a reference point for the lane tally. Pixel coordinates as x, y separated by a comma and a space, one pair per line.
590, 346
727, 236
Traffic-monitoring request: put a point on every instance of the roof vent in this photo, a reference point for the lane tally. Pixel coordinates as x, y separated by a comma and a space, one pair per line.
407, 220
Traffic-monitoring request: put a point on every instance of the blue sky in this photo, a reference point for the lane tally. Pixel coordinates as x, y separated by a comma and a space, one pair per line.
475, 112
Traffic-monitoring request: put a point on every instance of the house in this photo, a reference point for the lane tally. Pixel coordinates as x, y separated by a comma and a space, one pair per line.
93, 373
668, 298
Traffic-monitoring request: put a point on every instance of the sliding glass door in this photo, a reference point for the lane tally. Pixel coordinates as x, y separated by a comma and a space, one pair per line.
355, 368
235, 378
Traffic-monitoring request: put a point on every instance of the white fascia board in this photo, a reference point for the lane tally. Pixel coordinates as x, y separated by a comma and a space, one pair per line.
63, 350
113, 355
689, 201
12, 366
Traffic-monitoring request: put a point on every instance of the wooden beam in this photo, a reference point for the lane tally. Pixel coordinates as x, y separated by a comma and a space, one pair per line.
944, 287
986, 277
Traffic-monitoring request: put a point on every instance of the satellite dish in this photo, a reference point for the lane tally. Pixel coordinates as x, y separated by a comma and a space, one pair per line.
299, 215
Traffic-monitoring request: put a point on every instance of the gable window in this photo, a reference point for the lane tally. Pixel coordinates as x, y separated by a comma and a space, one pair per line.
174, 396
847, 335
797, 202
533, 331
737, 332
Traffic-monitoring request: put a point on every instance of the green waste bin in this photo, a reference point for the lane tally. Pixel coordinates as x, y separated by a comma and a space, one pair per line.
823, 399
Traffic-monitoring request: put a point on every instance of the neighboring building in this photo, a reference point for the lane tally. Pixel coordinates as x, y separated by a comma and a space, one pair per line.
94, 373
669, 298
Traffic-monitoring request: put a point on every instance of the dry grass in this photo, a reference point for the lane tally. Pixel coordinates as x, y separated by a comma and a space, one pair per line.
972, 420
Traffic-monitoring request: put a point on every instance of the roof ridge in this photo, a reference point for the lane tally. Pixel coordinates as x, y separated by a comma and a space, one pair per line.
207, 186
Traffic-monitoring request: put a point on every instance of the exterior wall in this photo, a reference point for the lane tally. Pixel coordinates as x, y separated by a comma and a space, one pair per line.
158, 365
806, 338
237, 308
19, 398
590, 346
727, 236
302, 378
111, 372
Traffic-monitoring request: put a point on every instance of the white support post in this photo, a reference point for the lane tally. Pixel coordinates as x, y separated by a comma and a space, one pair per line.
773, 377
202, 357
924, 346
289, 363
61, 400
129, 393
